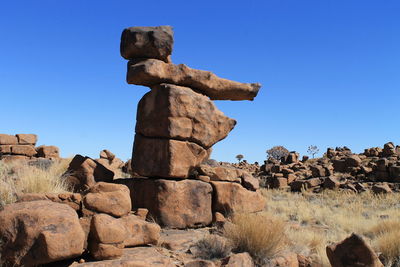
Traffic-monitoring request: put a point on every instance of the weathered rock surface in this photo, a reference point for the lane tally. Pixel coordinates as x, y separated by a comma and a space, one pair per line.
39, 232
147, 42
352, 251
176, 112
167, 158
220, 173
84, 172
27, 139
140, 232
232, 197
6, 139
240, 260
71, 199
25, 150
113, 199
175, 204
48, 152
152, 72
134, 257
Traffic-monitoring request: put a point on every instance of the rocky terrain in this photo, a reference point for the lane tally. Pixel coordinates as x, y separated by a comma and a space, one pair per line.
170, 205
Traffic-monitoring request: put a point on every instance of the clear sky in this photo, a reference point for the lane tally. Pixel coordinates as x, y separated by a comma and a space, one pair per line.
330, 70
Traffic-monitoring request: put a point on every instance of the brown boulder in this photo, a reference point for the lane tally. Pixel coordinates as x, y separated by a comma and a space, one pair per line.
140, 232
220, 173
331, 183
106, 237
176, 112
84, 172
199, 263
249, 182
153, 72
6, 139
71, 199
352, 161
44, 228
25, 150
107, 154
154, 157
175, 204
48, 152
113, 199
27, 139
147, 42
232, 197
352, 251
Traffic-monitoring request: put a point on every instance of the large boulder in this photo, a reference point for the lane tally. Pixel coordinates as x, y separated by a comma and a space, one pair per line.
39, 232
232, 197
152, 72
352, 251
147, 42
175, 204
113, 199
84, 172
176, 112
220, 173
155, 157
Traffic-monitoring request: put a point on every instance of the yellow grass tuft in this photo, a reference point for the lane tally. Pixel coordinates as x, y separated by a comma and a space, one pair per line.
19, 177
262, 236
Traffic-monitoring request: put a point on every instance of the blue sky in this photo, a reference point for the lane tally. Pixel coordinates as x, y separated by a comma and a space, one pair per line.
329, 69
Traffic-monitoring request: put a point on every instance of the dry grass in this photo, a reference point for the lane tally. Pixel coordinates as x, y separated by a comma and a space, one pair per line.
19, 177
317, 220
262, 236
212, 247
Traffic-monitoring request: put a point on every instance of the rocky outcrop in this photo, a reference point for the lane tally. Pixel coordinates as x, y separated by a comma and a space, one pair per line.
45, 228
22, 146
152, 72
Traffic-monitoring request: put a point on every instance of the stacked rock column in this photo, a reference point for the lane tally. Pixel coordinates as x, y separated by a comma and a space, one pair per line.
177, 123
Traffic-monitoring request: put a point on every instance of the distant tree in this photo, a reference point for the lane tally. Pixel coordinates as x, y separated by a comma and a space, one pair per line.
312, 150
277, 152
239, 157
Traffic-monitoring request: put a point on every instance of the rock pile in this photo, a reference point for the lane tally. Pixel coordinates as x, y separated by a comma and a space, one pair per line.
45, 228
22, 146
177, 123
376, 168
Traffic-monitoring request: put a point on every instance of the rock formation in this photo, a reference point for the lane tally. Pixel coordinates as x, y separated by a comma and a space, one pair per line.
177, 124
22, 146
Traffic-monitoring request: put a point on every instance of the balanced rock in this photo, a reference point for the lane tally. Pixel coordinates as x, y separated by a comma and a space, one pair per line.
175, 204
45, 228
176, 112
147, 42
152, 72
155, 157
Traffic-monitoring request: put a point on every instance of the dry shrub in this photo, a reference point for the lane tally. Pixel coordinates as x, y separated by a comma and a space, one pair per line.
20, 177
261, 235
212, 247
